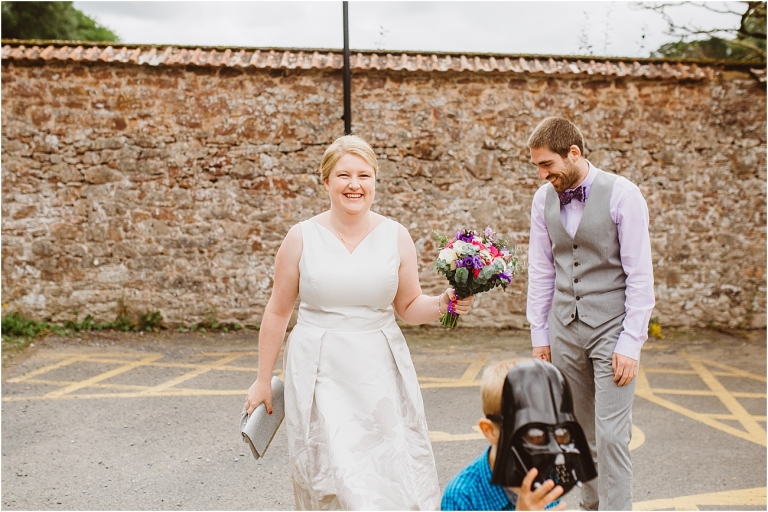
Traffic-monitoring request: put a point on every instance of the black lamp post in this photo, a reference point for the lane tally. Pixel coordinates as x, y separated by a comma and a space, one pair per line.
347, 75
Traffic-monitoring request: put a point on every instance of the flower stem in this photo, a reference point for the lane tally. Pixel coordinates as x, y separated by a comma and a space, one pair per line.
449, 320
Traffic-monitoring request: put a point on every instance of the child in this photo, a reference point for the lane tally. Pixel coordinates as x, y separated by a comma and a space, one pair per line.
471, 488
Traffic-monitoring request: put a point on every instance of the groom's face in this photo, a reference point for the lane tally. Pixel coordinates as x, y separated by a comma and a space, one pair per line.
560, 172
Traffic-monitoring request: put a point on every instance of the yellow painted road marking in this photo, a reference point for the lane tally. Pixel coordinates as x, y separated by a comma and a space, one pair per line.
140, 394
732, 371
731, 417
190, 375
470, 374
744, 497
58, 355
755, 433
102, 376
64, 383
638, 438
702, 392
742, 416
46, 369
437, 436
468, 379
223, 354
454, 384
670, 371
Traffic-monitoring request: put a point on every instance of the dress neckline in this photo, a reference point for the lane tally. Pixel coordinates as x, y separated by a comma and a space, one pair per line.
335, 237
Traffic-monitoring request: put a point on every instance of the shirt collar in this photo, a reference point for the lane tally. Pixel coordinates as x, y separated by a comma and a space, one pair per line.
590, 179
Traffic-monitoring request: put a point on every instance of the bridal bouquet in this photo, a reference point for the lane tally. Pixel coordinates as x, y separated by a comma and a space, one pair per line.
473, 264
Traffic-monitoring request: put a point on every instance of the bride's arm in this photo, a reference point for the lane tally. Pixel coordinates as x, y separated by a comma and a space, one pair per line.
277, 314
411, 305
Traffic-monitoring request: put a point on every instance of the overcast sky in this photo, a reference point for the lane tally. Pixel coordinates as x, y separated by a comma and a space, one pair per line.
543, 27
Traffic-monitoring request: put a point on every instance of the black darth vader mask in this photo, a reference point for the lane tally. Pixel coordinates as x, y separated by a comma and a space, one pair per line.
539, 430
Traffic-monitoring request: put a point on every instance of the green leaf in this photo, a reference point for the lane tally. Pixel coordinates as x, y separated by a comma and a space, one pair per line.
462, 274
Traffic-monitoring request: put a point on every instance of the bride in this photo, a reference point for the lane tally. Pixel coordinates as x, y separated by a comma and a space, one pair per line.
357, 434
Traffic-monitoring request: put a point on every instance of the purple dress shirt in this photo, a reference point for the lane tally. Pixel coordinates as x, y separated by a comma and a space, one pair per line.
630, 213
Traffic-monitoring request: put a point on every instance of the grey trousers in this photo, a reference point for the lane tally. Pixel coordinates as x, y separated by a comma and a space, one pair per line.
603, 409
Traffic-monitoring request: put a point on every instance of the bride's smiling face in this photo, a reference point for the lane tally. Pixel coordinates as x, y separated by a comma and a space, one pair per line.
351, 184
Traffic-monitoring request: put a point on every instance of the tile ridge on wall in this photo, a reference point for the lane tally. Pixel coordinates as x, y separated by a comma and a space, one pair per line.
276, 58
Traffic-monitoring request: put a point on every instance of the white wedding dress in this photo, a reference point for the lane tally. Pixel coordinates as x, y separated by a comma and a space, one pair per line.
357, 434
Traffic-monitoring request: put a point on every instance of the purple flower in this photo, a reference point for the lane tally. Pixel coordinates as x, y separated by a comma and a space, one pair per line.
465, 236
504, 276
470, 262
488, 232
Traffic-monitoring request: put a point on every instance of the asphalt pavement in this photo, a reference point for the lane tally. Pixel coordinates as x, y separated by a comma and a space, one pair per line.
151, 422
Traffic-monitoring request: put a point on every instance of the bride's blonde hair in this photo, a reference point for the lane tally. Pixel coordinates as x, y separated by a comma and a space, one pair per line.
348, 144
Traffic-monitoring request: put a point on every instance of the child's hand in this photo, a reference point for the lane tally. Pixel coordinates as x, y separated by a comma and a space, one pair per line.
529, 499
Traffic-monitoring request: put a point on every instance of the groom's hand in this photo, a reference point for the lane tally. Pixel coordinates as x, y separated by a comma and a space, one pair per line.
544, 353
624, 369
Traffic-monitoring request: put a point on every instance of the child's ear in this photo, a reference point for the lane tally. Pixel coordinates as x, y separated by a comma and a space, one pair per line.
490, 430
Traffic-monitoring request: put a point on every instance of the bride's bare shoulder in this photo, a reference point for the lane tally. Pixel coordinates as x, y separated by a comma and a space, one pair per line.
322, 219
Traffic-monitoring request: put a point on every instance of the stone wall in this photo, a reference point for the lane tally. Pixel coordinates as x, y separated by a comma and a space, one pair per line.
172, 187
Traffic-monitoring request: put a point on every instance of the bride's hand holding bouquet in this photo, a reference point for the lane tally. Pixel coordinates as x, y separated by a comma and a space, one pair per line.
474, 264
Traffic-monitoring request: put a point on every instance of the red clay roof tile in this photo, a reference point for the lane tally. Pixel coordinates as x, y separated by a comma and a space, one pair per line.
322, 59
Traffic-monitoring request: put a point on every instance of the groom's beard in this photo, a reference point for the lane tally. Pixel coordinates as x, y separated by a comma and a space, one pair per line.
570, 176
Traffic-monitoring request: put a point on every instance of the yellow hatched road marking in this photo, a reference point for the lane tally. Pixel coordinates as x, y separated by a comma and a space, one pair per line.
734, 373
223, 354
102, 376
58, 355
470, 374
140, 394
733, 405
732, 417
731, 371
638, 438
454, 384
753, 432
191, 375
46, 369
744, 497
670, 371
701, 392
228, 368
63, 383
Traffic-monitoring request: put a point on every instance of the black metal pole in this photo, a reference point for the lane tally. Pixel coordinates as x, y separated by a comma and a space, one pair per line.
347, 75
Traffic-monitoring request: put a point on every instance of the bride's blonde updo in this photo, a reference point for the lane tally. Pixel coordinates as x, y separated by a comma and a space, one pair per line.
348, 144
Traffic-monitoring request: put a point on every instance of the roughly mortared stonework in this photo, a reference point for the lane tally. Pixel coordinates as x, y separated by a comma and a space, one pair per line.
171, 188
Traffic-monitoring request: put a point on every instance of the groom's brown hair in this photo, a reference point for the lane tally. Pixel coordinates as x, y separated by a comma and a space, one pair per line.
557, 135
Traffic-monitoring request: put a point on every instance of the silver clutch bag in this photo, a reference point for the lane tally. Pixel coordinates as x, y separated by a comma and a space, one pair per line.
260, 427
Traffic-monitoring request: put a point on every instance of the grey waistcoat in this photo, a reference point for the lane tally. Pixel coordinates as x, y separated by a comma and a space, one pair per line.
589, 279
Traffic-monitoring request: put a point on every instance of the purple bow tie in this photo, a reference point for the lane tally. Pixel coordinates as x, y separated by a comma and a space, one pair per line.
578, 193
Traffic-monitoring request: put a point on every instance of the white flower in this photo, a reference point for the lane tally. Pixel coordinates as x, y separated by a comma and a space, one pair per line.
448, 256
458, 246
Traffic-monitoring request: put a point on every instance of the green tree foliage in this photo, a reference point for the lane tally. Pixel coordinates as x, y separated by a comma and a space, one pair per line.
745, 43
51, 20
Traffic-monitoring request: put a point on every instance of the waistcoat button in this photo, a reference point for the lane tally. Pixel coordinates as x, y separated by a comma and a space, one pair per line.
575, 246
576, 264
578, 298
576, 280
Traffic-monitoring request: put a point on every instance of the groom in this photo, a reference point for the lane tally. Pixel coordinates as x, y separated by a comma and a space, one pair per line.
590, 296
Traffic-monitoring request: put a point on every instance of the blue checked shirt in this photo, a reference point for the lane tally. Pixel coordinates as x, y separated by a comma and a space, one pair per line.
471, 489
